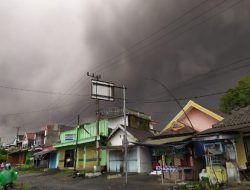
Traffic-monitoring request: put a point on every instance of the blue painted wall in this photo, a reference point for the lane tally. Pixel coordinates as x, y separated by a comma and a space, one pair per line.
53, 159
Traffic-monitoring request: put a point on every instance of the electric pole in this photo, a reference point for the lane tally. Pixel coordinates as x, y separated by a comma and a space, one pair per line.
125, 135
77, 129
17, 132
97, 77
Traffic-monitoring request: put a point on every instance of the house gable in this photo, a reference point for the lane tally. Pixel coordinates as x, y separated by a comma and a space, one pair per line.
200, 117
116, 137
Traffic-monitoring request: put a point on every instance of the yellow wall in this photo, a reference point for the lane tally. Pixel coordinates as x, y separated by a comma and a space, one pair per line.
241, 155
80, 158
90, 157
61, 158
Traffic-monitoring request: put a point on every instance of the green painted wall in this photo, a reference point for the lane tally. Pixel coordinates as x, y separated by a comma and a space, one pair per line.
86, 145
103, 158
62, 135
90, 129
85, 131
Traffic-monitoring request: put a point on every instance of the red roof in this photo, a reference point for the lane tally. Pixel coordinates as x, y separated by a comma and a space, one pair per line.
30, 136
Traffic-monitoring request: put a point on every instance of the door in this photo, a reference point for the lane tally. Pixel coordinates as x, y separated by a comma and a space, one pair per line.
53, 159
132, 160
115, 161
247, 148
69, 158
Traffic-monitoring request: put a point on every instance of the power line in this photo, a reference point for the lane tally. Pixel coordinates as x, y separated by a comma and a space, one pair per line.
184, 98
197, 24
138, 42
39, 91
78, 113
38, 111
150, 35
170, 32
216, 71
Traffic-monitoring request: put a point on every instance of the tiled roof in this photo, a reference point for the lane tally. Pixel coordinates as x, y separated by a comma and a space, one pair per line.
241, 117
140, 134
236, 121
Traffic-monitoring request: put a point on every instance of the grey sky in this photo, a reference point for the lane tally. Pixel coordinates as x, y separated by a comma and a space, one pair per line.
50, 45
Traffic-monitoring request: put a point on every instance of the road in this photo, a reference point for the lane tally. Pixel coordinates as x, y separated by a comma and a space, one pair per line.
39, 181
58, 182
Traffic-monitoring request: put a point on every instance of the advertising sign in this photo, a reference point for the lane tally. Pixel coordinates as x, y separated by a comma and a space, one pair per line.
69, 137
102, 90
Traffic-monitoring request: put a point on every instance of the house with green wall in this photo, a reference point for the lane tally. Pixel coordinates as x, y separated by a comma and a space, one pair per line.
85, 138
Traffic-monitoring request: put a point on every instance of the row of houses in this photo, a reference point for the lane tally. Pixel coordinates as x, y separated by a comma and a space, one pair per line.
195, 140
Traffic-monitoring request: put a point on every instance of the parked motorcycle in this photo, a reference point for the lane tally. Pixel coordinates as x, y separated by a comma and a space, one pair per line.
78, 174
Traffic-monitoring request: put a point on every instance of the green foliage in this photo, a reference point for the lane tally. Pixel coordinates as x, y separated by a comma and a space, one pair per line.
200, 185
237, 97
25, 167
3, 155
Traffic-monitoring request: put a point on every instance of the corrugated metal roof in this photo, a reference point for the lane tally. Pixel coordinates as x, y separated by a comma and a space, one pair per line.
168, 140
43, 152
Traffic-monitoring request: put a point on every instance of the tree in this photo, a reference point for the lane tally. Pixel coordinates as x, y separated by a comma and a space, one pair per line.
237, 97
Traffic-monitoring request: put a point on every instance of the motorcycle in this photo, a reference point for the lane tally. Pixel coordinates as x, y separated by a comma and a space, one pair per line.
78, 174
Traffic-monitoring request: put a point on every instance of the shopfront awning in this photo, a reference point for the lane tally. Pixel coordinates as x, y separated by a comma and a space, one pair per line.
165, 141
43, 153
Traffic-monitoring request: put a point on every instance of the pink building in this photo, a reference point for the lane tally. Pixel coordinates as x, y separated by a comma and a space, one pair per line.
198, 118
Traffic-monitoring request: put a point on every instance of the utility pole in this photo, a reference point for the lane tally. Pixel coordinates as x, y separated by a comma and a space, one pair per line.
77, 129
97, 77
17, 132
125, 135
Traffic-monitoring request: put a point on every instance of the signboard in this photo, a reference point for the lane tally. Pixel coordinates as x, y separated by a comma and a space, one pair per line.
172, 168
69, 137
102, 90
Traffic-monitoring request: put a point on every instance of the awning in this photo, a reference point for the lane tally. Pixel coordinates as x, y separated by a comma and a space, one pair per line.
43, 153
215, 136
168, 140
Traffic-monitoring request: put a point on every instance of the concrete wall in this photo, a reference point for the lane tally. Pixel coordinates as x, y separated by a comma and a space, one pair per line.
116, 140
115, 122
144, 160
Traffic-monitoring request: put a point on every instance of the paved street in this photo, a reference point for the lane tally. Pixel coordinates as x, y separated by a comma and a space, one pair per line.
39, 181
135, 182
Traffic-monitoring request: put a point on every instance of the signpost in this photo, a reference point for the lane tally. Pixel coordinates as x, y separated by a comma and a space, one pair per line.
101, 90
